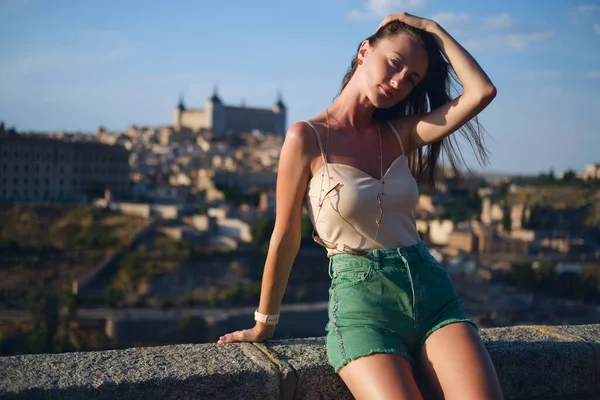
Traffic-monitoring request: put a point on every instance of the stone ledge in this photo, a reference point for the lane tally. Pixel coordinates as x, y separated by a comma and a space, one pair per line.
533, 362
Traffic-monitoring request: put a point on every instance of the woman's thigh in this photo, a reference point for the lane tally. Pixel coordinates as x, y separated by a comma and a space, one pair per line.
380, 376
457, 364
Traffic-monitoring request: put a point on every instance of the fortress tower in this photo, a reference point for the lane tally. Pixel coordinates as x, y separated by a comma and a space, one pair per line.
220, 118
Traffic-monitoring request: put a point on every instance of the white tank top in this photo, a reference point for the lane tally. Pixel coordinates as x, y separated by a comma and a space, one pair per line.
348, 214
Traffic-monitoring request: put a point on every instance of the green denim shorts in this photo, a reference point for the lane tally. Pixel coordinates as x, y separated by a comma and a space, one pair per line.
388, 301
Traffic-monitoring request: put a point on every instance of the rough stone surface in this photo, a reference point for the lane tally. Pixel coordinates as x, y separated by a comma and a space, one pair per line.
590, 334
316, 379
533, 363
206, 371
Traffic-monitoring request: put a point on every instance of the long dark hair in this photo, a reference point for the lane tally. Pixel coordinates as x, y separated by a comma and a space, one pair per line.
438, 87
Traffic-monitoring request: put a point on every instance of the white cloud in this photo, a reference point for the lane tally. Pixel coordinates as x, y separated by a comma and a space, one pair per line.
593, 75
89, 48
597, 28
501, 21
515, 41
378, 9
494, 31
448, 18
59, 57
542, 74
519, 41
583, 11
586, 8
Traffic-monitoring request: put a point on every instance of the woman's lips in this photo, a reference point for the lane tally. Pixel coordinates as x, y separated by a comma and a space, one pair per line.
387, 92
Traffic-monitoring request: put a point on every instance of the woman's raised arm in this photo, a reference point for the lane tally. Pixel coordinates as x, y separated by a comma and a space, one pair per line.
478, 90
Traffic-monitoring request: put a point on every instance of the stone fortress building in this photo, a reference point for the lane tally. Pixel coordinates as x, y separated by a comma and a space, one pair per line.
34, 168
221, 118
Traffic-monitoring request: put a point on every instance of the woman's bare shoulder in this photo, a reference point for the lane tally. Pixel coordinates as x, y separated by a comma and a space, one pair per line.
303, 136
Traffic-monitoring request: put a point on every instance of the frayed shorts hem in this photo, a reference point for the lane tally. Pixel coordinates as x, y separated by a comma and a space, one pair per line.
397, 352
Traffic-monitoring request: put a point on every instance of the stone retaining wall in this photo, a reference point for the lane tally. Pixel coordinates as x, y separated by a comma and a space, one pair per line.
533, 362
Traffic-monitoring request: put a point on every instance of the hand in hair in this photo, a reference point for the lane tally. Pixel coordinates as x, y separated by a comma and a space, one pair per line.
408, 19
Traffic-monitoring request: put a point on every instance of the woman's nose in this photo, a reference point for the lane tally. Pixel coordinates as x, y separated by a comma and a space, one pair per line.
398, 78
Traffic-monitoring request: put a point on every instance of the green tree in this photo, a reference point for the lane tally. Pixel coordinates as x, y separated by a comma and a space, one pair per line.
307, 227
569, 177
112, 297
43, 309
523, 275
71, 302
185, 322
232, 295
261, 232
506, 220
301, 295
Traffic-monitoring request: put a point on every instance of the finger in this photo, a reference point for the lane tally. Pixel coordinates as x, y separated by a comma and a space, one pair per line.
230, 337
390, 18
383, 23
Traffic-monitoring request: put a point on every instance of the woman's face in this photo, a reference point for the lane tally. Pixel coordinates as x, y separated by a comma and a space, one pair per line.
391, 69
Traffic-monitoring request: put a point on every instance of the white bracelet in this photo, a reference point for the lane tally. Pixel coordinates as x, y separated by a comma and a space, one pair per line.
266, 319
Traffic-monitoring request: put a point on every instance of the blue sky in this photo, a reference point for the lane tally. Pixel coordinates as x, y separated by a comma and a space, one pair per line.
74, 65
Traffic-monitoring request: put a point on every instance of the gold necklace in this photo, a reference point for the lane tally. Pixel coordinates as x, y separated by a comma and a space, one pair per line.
382, 182
381, 177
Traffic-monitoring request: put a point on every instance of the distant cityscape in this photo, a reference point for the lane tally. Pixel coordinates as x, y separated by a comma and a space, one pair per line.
121, 233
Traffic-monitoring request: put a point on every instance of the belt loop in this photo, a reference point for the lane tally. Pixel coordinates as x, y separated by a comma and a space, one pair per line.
377, 254
329, 268
421, 248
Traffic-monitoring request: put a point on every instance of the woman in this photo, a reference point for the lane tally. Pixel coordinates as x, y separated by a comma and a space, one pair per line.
392, 306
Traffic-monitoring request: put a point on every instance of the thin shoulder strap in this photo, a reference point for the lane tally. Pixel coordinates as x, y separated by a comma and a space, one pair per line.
320, 142
324, 156
393, 128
